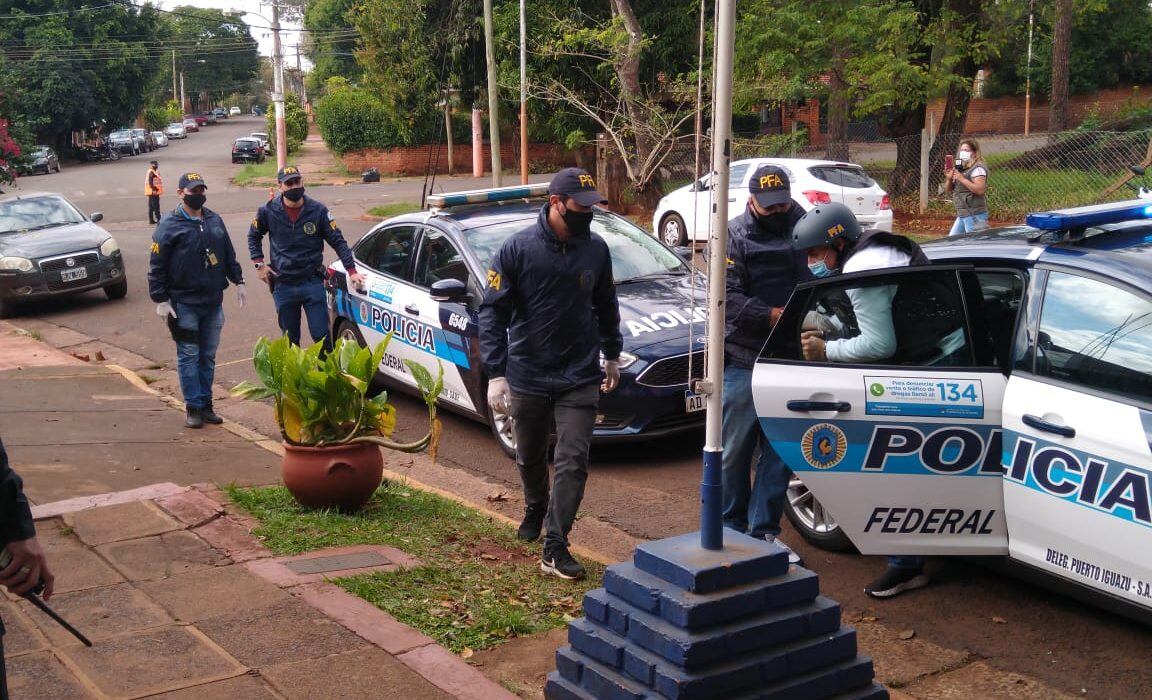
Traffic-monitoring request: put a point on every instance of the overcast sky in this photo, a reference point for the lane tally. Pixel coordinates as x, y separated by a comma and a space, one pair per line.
260, 32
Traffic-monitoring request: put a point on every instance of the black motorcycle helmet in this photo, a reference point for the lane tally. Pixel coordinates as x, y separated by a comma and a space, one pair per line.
825, 224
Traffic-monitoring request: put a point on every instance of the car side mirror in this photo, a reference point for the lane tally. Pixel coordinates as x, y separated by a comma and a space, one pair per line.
96, 216
449, 290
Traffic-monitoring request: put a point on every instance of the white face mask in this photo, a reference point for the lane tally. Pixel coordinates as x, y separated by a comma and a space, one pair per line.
963, 156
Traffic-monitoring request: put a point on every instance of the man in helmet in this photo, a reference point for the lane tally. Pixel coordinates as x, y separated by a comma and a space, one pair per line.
832, 239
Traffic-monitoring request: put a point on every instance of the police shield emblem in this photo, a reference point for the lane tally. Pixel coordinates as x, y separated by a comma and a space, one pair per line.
309, 228
823, 446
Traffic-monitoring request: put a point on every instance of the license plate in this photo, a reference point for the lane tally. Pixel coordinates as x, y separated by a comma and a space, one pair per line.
693, 402
72, 275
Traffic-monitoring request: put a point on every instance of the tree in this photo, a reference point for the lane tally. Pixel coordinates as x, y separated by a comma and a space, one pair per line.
217, 53
1061, 46
329, 47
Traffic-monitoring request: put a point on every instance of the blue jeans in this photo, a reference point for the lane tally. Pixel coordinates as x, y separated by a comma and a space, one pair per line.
752, 508
967, 224
309, 295
196, 362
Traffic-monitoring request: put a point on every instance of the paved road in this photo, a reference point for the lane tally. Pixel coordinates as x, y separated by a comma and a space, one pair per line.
649, 490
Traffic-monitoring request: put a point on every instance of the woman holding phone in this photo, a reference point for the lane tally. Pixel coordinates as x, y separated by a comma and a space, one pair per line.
967, 181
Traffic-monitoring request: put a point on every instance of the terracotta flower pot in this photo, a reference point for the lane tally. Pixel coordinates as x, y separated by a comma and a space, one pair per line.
342, 477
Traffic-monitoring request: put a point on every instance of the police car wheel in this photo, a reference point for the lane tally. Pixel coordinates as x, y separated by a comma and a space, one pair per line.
811, 520
502, 429
672, 230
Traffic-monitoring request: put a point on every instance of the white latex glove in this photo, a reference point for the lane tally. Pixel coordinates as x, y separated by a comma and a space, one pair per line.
241, 294
499, 395
164, 308
611, 376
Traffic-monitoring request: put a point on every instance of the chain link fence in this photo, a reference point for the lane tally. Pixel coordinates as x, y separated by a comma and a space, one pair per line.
1025, 173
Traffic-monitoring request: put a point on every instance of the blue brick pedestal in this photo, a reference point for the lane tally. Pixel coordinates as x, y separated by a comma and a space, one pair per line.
679, 622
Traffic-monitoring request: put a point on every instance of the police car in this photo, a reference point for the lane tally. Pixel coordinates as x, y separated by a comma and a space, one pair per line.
1031, 438
424, 276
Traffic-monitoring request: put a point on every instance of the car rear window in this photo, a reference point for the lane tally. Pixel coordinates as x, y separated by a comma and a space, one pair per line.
843, 175
247, 142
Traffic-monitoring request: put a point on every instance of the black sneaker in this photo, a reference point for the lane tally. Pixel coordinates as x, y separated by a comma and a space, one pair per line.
192, 418
530, 526
209, 416
895, 581
558, 562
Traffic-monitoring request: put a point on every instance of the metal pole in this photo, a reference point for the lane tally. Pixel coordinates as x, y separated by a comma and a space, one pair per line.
448, 128
183, 99
278, 90
523, 97
925, 150
300, 75
1028, 77
175, 95
711, 526
493, 96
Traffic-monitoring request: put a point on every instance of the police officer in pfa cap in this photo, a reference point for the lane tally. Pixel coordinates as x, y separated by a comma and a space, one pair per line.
831, 238
549, 314
191, 264
298, 226
763, 269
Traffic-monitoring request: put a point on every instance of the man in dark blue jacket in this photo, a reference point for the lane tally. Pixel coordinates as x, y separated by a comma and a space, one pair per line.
763, 269
549, 314
191, 264
298, 227
18, 536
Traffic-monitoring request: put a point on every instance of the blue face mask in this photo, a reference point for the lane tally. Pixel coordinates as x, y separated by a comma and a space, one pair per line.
820, 269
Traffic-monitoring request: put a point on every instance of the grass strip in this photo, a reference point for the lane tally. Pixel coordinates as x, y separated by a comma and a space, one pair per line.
394, 209
478, 585
253, 173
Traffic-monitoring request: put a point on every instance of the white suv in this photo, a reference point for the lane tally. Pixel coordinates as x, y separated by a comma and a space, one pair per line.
683, 214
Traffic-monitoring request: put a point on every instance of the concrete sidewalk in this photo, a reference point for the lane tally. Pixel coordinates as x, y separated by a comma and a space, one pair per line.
165, 578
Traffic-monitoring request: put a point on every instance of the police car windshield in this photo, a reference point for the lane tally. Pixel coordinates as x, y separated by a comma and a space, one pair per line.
33, 213
635, 253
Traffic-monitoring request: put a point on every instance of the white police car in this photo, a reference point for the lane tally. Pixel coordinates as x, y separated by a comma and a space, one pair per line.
1032, 439
424, 275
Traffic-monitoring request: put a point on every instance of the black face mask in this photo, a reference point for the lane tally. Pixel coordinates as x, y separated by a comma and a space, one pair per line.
773, 223
295, 194
579, 223
195, 202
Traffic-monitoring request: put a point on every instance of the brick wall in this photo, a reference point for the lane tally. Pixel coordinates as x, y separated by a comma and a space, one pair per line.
1005, 115
414, 160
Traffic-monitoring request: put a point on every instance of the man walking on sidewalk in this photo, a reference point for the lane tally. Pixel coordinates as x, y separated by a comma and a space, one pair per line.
153, 187
549, 314
18, 537
192, 262
297, 228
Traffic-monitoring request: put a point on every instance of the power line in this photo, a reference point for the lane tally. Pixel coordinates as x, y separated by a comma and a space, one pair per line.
60, 12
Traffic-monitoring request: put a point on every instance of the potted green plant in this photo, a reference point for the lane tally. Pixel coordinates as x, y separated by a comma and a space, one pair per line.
332, 429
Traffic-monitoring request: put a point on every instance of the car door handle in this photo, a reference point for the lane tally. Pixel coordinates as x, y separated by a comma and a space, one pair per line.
412, 309
1047, 426
805, 406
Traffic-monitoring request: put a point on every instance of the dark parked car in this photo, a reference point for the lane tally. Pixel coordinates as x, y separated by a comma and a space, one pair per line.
220, 113
126, 142
42, 159
49, 248
247, 149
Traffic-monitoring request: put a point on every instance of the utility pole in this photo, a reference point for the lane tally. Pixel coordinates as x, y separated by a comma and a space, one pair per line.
183, 99
493, 90
175, 95
300, 75
711, 526
278, 90
523, 97
1028, 75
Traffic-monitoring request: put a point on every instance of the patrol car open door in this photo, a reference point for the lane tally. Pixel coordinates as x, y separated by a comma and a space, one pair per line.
902, 446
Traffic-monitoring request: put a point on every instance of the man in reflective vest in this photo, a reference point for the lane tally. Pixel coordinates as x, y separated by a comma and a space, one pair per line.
153, 187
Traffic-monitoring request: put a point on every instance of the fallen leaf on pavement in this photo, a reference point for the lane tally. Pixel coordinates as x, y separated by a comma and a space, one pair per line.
869, 618
489, 557
999, 620
467, 653
907, 634
99, 356
85, 358
498, 498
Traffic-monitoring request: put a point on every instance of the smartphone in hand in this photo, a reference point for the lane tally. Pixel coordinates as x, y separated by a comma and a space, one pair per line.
949, 163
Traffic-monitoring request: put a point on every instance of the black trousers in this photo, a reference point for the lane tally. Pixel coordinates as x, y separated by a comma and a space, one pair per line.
153, 208
574, 414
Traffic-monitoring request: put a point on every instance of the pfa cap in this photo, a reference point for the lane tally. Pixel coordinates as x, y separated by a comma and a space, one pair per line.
577, 184
190, 180
288, 172
770, 186
824, 224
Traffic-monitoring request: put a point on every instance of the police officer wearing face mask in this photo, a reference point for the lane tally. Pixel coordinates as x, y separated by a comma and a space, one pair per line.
763, 269
191, 264
298, 227
549, 315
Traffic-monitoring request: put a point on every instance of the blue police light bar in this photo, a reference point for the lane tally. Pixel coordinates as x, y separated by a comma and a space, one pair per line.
495, 194
1093, 215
